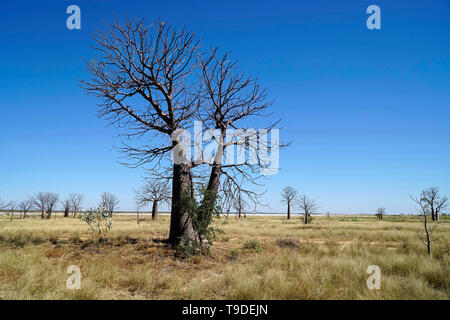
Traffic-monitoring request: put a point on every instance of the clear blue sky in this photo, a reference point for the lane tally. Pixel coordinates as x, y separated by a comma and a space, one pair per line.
367, 110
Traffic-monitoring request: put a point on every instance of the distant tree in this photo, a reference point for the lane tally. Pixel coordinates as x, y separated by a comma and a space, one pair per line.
3, 205
108, 202
240, 204
12, 207
67, 204
40, 200
434, 201
25, 206
52, 200
233, 194
153, 192
289, 196
138, 217
307, 206
76, 199
380, 213
425, 212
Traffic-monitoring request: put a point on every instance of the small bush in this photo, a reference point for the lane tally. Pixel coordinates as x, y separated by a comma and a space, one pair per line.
287, 243
98, 220
252, 245
202, 217
233, 255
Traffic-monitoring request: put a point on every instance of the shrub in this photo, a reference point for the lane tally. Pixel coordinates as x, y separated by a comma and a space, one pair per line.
233, 255
287, 243
205, 232
253, 245
98, 220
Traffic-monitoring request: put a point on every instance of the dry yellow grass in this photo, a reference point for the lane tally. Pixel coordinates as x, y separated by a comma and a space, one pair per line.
324, 260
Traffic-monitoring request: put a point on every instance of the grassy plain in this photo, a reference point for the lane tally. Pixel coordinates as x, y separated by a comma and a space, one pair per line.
254, 258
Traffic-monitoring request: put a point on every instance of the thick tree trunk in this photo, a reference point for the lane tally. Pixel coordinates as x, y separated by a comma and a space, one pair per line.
42, 214
306, 218
289, 211
181, 229
155, 210
213, 187
75, 214
214, 180
66, 213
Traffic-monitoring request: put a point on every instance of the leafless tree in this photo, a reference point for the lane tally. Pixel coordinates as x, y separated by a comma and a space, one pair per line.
40, 200
425, 211
25, 206
229, 97
67, 204
240, 204
108, 202
380, 213
144, 77
233, 195
12, 207
289, 196
76, 199
52, 200
307, 207
435, 202
153, 192
3, 206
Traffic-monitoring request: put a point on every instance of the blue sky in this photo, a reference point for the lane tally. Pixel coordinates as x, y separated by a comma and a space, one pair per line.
367, 110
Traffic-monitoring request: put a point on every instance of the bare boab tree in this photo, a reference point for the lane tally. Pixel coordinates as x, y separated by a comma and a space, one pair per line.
25, 206
229, 98
289, 196
153, 192
435, 202
380, 213
233, 194
52, 200
240, 204
109, 202
45, 202
144, 77
3, 206
39, 200
12, 207
67, 206
426, 211
76, 199
307, 207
